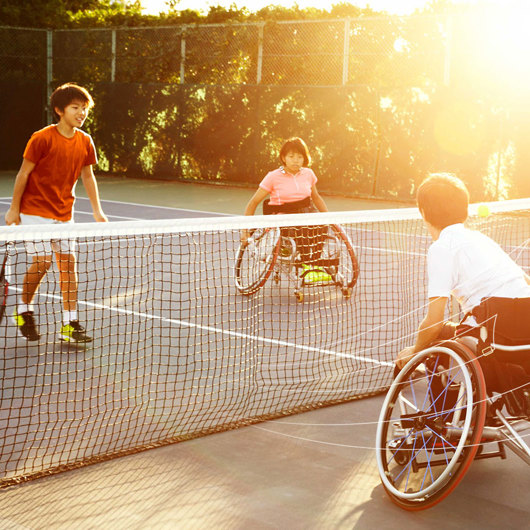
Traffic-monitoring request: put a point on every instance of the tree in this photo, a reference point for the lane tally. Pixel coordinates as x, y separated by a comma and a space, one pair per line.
58, 13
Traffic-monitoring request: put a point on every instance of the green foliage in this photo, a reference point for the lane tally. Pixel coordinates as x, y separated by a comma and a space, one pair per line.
376, 129
111, 13
64, 13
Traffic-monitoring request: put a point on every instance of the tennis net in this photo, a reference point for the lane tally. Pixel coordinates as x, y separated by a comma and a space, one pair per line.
191, 336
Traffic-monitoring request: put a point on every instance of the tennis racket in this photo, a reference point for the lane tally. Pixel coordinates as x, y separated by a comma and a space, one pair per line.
4, 283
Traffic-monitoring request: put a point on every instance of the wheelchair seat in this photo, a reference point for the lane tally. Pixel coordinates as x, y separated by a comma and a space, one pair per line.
504, 323
504, 350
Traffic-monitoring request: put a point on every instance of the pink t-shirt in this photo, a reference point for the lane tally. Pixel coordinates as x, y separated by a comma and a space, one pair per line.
285, 187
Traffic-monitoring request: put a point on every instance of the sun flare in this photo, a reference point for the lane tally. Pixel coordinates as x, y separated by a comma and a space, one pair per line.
503, 41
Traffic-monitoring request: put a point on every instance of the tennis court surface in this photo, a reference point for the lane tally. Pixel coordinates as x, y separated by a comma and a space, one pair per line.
179, 353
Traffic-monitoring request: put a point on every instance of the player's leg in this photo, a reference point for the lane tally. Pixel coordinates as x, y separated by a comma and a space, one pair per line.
310, 243
24, 315
40, 255
4, 283
333, 254
71, 330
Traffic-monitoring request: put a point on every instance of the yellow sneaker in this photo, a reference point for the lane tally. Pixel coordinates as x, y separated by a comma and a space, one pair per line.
25, 323
315, 274
74, 333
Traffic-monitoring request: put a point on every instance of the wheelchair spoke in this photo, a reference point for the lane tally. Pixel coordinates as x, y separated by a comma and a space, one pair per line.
426, 444
255, 260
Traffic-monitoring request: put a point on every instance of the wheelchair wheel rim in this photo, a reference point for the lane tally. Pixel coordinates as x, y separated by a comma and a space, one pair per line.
382, 430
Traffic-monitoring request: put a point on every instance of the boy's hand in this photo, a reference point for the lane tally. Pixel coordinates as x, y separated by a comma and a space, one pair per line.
12, 217
100, 217
404, 356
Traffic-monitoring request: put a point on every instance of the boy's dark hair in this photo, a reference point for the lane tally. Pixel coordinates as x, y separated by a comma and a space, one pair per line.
443, 199
298, 146
64, 95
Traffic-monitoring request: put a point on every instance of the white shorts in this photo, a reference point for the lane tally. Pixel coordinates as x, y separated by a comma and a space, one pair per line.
61, 246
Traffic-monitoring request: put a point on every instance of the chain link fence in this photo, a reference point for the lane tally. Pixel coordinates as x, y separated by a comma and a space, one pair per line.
197, 101
301, 53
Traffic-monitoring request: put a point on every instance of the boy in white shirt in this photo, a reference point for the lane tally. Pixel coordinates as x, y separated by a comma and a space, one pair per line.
460, 262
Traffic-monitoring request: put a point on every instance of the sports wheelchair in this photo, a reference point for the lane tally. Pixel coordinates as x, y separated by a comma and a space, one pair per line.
450, 405
308, 256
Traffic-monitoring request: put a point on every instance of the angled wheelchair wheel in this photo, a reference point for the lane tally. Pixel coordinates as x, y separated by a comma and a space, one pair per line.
338, 257
255, 261
431, 425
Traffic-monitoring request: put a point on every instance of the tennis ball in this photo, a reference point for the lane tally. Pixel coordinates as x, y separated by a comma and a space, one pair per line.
483, 210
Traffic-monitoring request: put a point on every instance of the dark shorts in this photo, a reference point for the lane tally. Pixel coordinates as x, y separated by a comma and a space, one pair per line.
309, 240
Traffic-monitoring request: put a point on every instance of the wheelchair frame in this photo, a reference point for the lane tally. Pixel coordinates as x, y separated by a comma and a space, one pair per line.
437, 418
269, 252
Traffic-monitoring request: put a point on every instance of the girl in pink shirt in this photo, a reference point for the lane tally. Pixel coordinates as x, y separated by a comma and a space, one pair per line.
292, 185
292, 189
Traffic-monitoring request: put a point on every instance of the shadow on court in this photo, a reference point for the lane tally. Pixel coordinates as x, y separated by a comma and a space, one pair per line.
309, 471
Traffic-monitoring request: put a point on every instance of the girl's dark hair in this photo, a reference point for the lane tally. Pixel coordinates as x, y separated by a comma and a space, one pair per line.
298, 146
64, 95
443, 199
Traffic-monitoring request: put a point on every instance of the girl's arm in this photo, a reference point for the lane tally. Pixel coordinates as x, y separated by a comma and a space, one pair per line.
250, 209
13, 214
318, 201
255, 200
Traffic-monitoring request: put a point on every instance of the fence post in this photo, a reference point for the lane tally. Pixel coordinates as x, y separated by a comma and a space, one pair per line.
113, 57
448, 45
49, 73
183, 56
346, 52
260, 54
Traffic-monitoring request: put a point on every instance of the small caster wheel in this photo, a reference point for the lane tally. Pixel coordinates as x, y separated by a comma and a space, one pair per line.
402, 457
299, 296
346, 292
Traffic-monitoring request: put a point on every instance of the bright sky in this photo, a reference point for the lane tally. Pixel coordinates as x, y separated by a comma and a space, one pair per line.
392, 6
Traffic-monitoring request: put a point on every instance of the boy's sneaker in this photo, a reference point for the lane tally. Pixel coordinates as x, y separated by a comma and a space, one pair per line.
315, 274
25, 323
74, 333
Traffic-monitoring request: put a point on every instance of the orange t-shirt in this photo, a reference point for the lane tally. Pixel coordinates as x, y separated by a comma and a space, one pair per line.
58, 162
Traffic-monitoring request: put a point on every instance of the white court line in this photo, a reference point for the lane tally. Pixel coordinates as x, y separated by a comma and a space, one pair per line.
220, 330
156, 207
111, 215
7, 200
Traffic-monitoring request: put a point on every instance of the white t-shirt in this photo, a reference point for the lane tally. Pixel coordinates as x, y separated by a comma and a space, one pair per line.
471, 266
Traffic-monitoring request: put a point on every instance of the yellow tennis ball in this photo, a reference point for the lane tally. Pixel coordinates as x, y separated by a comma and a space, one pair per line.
483, 210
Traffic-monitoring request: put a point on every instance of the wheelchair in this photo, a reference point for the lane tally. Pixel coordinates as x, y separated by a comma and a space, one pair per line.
441, 413
307, 256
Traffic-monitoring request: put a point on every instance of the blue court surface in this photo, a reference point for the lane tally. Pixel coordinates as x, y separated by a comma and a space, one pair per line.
315, 470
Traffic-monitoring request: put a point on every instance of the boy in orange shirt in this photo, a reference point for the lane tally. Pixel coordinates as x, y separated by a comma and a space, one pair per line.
54, 158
